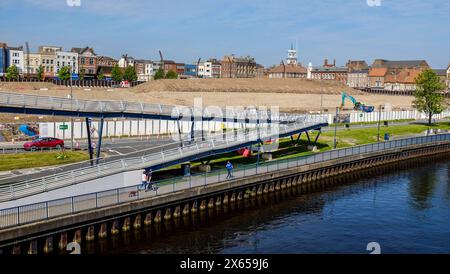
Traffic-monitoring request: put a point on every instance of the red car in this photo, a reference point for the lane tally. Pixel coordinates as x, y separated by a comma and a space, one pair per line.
44, 142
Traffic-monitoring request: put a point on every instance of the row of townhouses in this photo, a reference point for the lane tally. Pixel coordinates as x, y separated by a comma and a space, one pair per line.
87, 62
382, 74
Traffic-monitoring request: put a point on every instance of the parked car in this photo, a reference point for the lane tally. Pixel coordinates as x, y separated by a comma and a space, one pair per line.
44, 142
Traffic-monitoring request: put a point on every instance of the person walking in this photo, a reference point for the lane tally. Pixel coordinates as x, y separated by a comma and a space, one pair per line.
144, 181
150, 184
229, 167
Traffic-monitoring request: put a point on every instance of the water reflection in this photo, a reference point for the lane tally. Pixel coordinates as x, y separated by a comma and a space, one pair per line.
421, 188
339, 215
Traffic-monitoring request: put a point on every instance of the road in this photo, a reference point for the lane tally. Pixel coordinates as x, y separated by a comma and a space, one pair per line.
126, 148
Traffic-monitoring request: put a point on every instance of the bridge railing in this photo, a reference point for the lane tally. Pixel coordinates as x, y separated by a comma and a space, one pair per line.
107, 106
215, 142
11, 217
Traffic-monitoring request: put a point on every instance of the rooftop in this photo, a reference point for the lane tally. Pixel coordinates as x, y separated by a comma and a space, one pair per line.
289, 69
377, 72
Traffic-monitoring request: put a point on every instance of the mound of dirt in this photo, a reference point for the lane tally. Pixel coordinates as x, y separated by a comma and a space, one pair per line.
253, 85
27, 86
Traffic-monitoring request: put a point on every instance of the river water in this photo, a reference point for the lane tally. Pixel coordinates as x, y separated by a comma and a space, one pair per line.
404, 207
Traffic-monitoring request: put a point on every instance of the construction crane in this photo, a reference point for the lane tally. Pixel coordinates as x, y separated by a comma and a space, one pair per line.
162, 60
28, 59
356, 105
198, 64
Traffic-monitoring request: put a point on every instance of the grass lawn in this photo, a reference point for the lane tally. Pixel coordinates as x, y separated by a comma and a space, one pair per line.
345, 138
39, 159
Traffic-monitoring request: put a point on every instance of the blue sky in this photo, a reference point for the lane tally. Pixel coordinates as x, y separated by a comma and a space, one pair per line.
188, 29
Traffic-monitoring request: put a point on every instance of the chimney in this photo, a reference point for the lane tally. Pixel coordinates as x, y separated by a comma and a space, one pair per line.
334, 62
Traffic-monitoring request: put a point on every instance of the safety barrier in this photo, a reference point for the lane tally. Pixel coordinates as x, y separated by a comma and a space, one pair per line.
45, 210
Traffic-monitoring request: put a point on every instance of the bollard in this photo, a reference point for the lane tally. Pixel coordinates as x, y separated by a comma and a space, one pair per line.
48, 246
194, 207
211, 203
32, 250
158, 216
203, 205
115, 228
233, 197
103, 233
77, 236
176, 213
63, 241
137, 222
90, 235
186, 209
126, 224
225, 199
168, 214
148, 219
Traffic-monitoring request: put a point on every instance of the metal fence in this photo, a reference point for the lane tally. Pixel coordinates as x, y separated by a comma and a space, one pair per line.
218, 142
75, 83
45, 210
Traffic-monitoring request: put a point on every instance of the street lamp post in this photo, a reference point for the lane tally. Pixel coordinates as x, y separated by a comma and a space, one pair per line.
335, 127
71, 108
379, 123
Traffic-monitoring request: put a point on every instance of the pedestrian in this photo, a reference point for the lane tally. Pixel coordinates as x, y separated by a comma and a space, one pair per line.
144, 181
149, 181
229, 167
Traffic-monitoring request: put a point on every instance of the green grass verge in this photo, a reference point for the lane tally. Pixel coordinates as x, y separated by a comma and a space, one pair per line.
40, 159
345, 138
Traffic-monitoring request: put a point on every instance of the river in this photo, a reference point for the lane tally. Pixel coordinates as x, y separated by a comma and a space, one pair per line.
404, 207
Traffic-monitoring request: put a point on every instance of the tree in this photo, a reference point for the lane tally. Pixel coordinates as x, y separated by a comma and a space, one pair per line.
428, 98
130, 74
64, 73
40, 73
12, 73
159, 74
171, 75
100, 76
81, 74
116, 73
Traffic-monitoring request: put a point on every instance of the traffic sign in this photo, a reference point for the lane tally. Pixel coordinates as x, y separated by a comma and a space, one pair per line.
64, 127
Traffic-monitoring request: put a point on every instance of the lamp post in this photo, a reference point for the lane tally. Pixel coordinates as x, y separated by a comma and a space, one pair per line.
71, 108
335, 127
379, 122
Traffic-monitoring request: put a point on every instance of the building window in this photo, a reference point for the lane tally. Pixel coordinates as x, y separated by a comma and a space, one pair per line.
82, 61
91, 61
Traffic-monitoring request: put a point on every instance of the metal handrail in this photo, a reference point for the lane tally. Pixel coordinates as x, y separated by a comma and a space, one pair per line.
55, 181
33, 212
102, 106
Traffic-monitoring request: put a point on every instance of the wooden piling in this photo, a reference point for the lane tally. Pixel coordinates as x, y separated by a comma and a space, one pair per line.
90, 235
148, 219
137, 222
103, 232
115, 228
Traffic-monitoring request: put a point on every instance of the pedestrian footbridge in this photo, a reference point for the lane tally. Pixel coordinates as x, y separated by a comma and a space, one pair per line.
18, 103
192, 150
